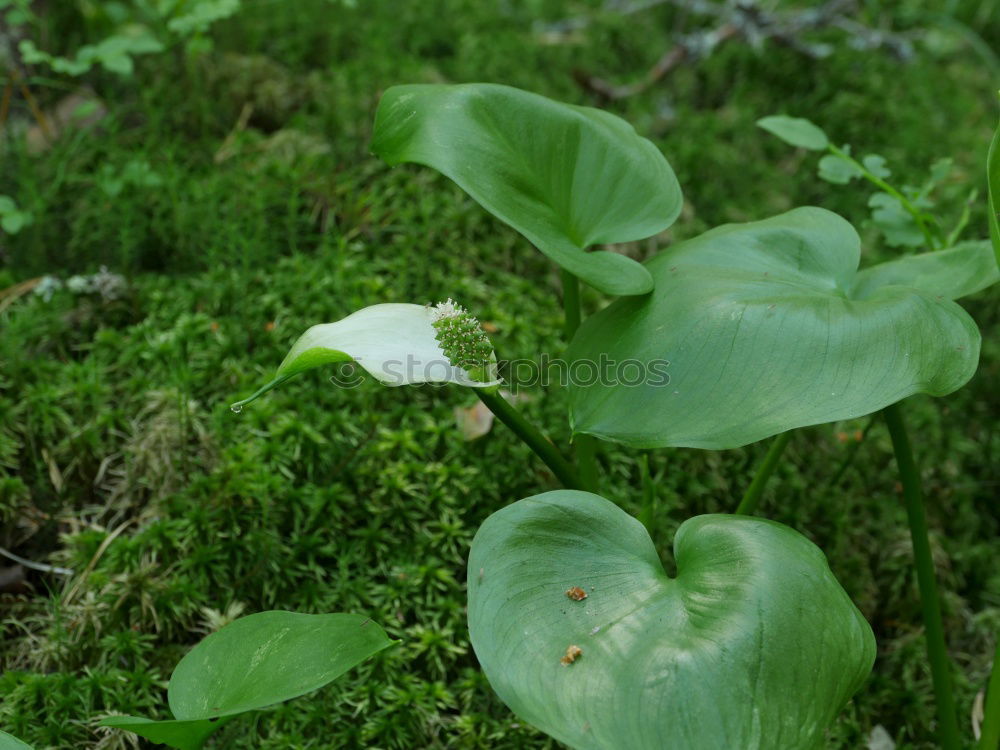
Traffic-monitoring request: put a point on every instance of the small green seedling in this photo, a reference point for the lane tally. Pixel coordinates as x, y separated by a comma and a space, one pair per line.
763, 327
136, 173
114, 54
253, 663
144, 30
903, 215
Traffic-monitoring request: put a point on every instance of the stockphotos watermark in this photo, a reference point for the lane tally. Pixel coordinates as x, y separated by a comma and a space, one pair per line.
519, 373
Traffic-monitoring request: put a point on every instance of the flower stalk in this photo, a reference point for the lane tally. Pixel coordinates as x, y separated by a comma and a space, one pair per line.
541, 445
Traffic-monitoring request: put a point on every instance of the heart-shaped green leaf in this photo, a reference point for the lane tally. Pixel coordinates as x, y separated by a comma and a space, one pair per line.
768, 326
252, 663
565, 177
753, 645
10, 742
993, 183
396, 343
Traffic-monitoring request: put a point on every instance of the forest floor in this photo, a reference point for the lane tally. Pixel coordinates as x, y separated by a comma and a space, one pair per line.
265, 213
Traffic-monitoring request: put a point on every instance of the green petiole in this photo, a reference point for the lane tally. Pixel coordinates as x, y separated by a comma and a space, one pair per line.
930, 604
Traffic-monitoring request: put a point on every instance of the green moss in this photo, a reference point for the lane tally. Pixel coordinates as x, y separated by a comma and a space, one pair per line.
318, 499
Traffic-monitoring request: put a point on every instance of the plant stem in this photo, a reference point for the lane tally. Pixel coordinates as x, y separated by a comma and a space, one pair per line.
585, 446
963, 220
571, 303
937, 652
752, 496
886, 187
531, 436
990, 738
648, 510
586, 460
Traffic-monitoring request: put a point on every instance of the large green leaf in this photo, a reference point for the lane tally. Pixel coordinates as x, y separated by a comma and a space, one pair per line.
565, 177
10, 742
753, 645
252, 663
768, 326
993, 180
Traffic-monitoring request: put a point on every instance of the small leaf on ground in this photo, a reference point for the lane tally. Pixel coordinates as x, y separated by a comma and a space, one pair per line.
267, 658
253, 663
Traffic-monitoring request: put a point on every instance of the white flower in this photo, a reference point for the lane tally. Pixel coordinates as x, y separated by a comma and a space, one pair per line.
397, 344
447, 309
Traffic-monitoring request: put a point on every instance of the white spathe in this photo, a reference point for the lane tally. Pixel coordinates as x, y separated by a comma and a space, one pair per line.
395, 343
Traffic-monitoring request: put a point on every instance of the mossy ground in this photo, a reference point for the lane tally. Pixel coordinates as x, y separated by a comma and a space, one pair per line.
115, 419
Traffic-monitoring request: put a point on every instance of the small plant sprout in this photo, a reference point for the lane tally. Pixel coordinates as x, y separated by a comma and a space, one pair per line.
903, 214
768, 326
173, 22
